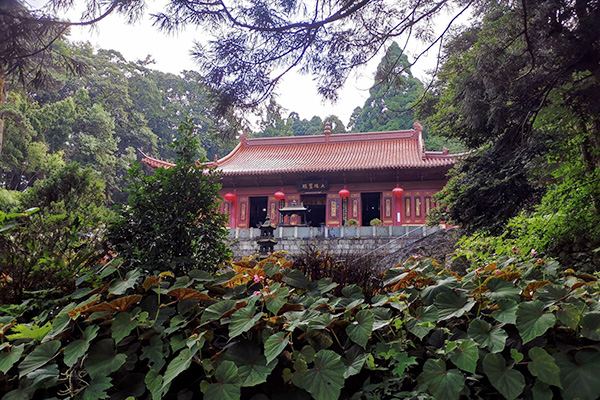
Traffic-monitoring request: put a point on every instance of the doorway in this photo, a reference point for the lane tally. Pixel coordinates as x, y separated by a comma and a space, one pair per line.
371, 207
258, 211
315, 203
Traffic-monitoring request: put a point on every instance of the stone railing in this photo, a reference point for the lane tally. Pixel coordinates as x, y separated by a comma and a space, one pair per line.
346, 232
369, 239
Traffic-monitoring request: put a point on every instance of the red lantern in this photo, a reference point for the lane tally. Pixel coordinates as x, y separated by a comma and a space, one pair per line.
344, 193
398, 191
230, 197
279, 195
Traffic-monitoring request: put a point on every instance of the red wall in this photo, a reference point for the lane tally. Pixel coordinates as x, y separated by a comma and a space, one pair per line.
416, 194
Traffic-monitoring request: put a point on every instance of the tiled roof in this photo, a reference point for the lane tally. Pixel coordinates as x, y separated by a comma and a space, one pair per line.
340, 152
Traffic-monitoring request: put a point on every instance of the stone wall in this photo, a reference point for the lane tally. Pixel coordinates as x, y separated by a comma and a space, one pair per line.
246, 245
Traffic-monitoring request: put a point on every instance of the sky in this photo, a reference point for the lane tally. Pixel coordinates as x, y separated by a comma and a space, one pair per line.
172, 54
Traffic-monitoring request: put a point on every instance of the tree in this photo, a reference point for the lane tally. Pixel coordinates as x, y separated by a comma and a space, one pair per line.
272, 124
253, 44
389, 106
26, 156
31, 50
171, 220
523, 88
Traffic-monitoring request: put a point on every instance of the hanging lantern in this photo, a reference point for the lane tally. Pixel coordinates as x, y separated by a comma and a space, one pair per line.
344, 193
230, 197
279, 195
398, 191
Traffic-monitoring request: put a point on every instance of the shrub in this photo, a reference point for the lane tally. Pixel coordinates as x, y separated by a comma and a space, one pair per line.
171, 221
351, 222
362, 268
56, 238
507, 330
375, 222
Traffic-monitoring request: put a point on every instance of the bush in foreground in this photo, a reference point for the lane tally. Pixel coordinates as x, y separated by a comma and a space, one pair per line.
264, 330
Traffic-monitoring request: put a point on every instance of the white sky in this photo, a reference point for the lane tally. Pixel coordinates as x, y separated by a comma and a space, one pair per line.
172, 54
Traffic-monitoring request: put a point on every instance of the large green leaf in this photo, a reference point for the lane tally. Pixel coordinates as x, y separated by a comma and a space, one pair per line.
360, 330
354, 359
465, 356
579, 379
485, 335
177, 366
507, 312
122, 326
79, 347
569, 314
541, 391
431, 292
424, 321
382, 317
97, 389
216, 311
441, 383
251, 363
275, 344
20, 394
229, 383
44, 377
532, 320
509, 382
590, 325
501, 289
59, 325
38, 357
295, 278
154, 383
277, 299
243, 320
325, 380
271, 269
544, 367
155, 353
452, 304
200, 275
550, 294
103, 360
9, 357
120, 286
325, 285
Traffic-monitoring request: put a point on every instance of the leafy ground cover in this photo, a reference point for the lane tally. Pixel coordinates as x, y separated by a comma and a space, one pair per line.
264, 331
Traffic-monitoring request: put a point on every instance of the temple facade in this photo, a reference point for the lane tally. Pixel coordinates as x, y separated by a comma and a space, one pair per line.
328, 180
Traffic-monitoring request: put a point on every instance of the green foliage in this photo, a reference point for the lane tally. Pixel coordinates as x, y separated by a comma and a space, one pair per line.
171, 220
375, 222
57, 237
9, 199
389, 106
163, 335
25, 155
526, 102
352, 222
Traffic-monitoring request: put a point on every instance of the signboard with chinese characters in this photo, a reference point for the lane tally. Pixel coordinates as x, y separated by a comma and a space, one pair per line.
313, 185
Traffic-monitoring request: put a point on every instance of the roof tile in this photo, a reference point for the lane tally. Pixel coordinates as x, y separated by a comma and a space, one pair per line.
342, 152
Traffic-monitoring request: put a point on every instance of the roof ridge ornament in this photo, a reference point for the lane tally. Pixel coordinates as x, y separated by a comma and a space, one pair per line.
327, 131
244, 138
418, 128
